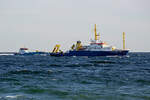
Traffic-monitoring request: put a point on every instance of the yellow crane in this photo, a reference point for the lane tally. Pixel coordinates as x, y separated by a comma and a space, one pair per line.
56, 48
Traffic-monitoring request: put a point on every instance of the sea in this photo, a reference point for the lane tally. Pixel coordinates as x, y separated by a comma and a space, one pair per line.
75, 78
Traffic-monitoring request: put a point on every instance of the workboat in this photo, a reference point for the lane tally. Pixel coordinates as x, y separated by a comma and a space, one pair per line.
24, 51
95, 48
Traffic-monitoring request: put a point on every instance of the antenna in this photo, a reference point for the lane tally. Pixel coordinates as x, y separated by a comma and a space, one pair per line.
123, 40
95, 33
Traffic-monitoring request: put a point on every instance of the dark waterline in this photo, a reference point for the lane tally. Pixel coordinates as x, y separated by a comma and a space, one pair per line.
75, 78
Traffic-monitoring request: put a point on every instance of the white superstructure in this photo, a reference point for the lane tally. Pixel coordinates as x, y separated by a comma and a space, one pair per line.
95, 45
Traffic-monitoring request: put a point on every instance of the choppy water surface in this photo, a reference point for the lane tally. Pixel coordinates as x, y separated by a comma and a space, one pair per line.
75, 78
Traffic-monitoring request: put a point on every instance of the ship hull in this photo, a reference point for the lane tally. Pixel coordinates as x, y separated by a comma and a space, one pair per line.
32, 53
93, 53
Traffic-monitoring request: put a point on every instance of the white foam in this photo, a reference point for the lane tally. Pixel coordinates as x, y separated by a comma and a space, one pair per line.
13, 96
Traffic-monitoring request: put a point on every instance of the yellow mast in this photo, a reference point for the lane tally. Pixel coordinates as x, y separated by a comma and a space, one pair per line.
95, 33
123, 40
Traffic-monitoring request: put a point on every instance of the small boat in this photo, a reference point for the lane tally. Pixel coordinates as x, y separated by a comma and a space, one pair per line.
24, 51
95, 48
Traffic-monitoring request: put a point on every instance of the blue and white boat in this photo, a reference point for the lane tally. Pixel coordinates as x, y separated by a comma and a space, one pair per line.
95, 48
25, 52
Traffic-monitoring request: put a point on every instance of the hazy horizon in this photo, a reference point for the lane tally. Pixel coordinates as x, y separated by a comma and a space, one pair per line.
40, 24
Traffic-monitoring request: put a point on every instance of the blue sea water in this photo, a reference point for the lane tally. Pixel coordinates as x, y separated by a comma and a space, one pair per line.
75, 78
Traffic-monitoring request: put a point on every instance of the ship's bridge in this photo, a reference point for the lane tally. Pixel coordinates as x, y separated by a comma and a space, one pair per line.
99, 46
23, 50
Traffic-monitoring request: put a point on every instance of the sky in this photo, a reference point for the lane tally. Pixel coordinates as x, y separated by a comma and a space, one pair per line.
41, 24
